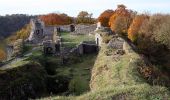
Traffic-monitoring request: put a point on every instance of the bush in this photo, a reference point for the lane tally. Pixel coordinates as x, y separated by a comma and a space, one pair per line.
57, 84
107, 38
77, 85
27, 81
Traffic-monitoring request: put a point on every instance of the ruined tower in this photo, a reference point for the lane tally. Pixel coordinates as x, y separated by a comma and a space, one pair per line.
37, 31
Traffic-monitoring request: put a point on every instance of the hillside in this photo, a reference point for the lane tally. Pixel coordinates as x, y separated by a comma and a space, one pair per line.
118, 78
11, 23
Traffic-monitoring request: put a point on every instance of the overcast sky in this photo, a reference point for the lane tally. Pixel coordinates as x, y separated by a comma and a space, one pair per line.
72, 7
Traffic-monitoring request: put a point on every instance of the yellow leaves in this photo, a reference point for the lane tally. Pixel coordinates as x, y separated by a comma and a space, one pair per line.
104, 17
135, 26
56, 19
2, 55
146, 71
120, 20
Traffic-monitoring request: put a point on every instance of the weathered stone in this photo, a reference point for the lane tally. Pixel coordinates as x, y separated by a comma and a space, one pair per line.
116, 43
37, 32
84, 29
86, 47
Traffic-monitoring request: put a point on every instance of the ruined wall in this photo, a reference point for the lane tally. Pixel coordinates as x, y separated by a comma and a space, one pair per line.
37, 31
84, 29
116, 43
86, 47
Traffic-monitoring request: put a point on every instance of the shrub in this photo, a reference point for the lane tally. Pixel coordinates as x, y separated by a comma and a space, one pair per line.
162, 34
133, 30
77, 85
107, 38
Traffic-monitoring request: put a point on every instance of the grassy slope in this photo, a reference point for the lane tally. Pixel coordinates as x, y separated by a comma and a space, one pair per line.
115, 79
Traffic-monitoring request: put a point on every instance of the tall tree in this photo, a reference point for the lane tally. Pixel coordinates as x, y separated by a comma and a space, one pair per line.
56, 19
85, 18
133, 30
104, 17
121, 20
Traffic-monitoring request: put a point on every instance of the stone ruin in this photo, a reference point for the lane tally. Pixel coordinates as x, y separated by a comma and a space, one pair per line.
99, 32
85, 47
48, 35
44, 35
116, 43
77, 29
51, 42
37, 31
84, 29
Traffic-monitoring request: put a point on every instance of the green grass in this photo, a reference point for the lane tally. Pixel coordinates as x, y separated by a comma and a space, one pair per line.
73, 40
80, 72
118, 79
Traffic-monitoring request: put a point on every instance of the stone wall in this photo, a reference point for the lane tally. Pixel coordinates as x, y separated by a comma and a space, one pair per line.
116, 43
84, 29
37, 31
85, 47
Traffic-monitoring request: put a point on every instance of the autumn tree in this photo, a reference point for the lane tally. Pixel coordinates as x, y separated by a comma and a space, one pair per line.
151, 35
121, 20
162, 34
2, 55
135, 26
105, 17
56, 19
85, 18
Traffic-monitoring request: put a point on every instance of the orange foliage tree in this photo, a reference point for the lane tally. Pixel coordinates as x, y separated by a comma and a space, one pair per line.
2, 55
121, 20
56, 19
135, 26
104, 17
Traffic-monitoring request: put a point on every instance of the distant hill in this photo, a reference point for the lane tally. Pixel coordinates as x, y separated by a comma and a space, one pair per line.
12, 23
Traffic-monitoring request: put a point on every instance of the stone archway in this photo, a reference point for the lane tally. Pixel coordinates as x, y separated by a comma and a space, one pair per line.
72, 28
97, 42
58, 29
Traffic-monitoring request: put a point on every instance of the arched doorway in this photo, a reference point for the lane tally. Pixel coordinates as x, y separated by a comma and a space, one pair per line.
97, 42
58, 29
72, 28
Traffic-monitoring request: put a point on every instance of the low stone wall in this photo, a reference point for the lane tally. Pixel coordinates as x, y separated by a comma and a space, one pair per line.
116, 43
84, 29
86, 47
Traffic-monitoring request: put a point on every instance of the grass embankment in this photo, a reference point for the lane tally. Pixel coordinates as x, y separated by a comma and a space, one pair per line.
117, 78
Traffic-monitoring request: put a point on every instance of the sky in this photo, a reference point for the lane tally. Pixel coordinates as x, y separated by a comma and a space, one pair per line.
73, 7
